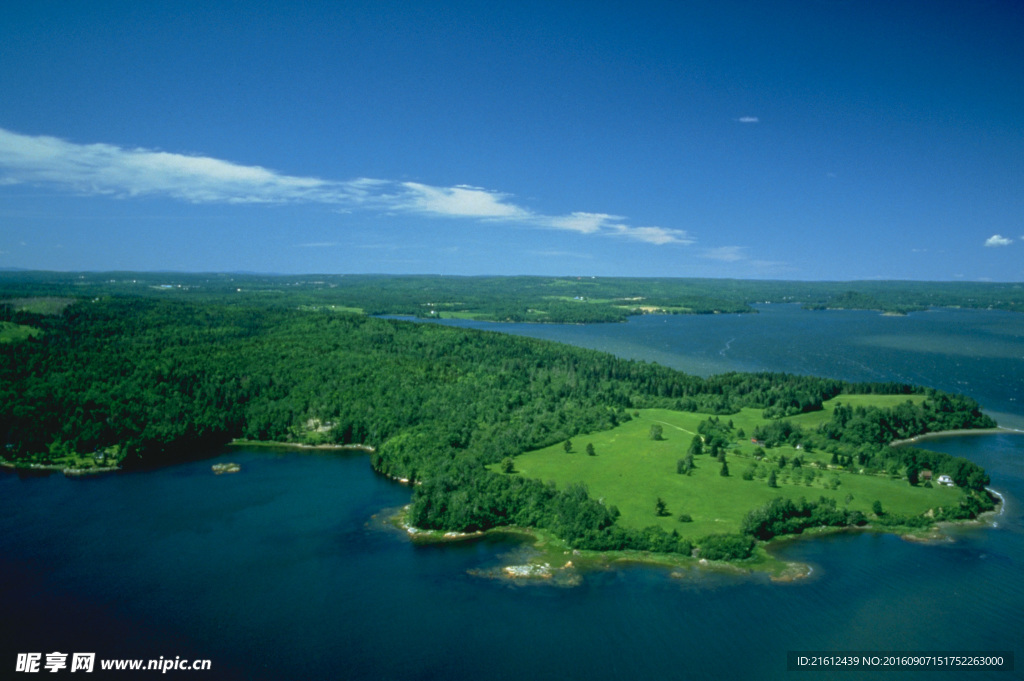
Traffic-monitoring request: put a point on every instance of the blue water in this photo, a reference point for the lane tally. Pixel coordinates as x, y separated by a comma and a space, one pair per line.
285, 570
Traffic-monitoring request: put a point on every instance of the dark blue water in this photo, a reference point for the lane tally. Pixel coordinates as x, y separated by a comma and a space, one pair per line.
283, 571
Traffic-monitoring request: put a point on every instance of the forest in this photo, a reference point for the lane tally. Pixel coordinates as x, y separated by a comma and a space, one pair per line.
144, 380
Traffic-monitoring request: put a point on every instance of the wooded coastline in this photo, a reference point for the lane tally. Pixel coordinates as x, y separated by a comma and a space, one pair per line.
139, 381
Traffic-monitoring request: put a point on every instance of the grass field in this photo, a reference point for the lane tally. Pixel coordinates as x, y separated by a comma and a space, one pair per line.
11, 332
41, 305
632, 471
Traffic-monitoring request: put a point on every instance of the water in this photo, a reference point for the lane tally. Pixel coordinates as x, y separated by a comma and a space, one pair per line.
977, 353
283, 570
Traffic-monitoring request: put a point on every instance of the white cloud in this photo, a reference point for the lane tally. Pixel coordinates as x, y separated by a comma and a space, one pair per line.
998, 240
654, 235
594, 223
585, 223
460, 201
748, 119
726, 253
108, 170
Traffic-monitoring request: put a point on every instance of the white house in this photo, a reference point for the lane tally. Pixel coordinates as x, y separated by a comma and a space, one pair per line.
946, 480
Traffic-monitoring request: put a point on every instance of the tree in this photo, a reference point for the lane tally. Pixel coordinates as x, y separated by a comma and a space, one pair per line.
771, 480
876, 508
659, 507
656, 432
696, 445
590, 449
685, 518
567, 446
507, 466
724, 472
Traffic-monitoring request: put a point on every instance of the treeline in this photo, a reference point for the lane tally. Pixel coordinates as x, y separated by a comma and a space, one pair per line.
784, 516
525, 299
458, 496
860, 437
144, 381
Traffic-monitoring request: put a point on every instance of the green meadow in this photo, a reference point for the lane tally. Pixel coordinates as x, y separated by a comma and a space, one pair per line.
11, 332
45, 305
632, 471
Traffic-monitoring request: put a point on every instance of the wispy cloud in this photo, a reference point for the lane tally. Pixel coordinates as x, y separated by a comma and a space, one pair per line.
562, 254
109, 170
319, 244
998, 240
748, 119
739, 257
726, 253
459, 201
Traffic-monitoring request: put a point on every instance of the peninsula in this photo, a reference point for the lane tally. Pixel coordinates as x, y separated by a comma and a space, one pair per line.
639, 457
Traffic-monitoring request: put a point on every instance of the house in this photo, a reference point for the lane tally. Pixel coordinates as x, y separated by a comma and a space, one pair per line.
926, 474
946, 480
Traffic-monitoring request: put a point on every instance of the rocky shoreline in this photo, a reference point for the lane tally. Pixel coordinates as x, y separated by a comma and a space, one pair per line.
59, 468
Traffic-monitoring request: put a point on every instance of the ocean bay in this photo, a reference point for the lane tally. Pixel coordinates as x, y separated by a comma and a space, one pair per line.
282, 570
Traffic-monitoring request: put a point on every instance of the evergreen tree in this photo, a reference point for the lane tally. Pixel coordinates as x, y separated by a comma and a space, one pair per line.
660, 508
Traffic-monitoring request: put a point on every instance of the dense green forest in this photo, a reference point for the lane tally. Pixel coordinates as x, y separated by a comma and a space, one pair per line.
577, 299
140, 380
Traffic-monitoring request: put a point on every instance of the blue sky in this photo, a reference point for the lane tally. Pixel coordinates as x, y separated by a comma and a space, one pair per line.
827, 139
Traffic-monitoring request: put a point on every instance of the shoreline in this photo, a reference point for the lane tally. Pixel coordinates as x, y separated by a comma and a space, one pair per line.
940, 434
58, 468
239, 442
765, 562
71, 472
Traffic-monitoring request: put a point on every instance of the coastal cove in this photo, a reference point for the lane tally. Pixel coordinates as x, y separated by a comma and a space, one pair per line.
289, 567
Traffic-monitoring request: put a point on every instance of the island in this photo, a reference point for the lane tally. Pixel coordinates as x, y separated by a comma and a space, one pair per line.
591, 453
